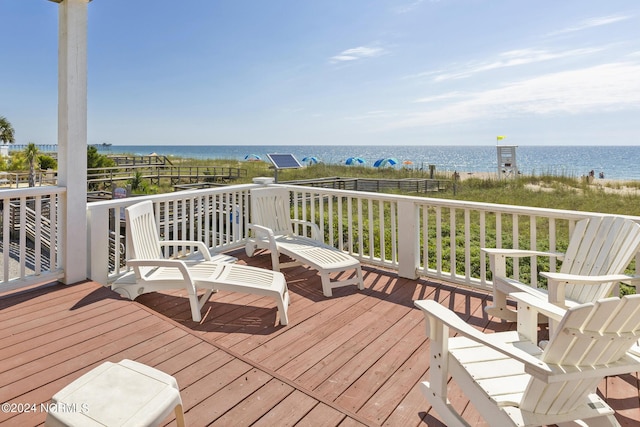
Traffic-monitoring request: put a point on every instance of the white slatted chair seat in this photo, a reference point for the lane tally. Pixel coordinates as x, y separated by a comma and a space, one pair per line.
512, 381
220, 277
599, 251
273, 230
151, 272
315, 253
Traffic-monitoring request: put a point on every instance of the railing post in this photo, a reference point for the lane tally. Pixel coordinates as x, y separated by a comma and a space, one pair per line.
408, 235
98, 244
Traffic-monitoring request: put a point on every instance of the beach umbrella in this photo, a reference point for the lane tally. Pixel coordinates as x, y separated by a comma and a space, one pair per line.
354, 161
252, 157
310, 160
407, 162
384, 162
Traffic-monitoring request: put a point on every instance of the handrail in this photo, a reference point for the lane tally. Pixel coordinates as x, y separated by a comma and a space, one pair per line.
156, 172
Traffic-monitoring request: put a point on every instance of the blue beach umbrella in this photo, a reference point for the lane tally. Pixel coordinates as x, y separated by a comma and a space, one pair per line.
384, 162
310, 160
252, 157
355, 161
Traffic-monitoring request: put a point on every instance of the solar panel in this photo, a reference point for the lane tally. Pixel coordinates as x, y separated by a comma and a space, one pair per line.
284, 161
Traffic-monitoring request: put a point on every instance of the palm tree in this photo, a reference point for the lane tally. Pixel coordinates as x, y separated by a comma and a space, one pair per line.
31, 153
6, 131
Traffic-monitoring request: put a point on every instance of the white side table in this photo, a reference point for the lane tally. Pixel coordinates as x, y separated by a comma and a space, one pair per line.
127, 393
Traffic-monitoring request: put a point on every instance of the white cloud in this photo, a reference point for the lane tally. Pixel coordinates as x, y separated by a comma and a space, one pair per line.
357, 53
593, 22
608, 87
512, 58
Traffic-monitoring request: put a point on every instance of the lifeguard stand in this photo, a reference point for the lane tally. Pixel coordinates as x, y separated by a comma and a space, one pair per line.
507, 166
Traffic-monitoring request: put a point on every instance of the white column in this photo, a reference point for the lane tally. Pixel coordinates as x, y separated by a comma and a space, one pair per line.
72, 136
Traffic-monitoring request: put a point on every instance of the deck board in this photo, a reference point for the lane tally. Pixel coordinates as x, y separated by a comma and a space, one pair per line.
351, 360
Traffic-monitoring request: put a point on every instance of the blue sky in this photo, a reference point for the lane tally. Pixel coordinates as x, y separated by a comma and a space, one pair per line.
334, 72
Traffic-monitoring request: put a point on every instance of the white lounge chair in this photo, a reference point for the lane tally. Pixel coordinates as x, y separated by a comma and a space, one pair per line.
599, 251
512, 382
152, 272
273, 229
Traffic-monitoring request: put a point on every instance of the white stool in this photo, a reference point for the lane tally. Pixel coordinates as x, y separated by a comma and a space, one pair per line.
117, 394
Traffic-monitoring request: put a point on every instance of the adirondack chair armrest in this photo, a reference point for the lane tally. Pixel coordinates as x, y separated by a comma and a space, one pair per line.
538, 305
202, 248
587, 280
556, 283
440, 319
315, 230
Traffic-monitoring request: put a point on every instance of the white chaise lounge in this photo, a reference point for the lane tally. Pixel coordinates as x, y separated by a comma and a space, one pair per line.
152, 272
273, 229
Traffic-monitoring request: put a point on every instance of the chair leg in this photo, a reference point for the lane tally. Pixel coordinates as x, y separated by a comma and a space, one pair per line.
180, 416
275, 260
360, 278
441, 405
196, 315
282, 300
250, 248
326, 284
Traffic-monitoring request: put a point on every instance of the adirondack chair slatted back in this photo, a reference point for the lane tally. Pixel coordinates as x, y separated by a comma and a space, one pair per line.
142, 234
599, 246
271, 208
589, 335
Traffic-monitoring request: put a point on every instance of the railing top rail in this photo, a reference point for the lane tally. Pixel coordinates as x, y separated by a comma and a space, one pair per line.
458, 204
169, 196
31, 191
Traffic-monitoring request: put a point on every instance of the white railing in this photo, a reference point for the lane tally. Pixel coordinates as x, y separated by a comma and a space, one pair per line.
416, 236
30, 238
438, 238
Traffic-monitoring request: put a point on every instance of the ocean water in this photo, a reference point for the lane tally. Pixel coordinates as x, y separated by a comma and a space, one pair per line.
615, 162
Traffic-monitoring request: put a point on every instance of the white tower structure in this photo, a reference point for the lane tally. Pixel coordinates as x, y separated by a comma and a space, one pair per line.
507, 166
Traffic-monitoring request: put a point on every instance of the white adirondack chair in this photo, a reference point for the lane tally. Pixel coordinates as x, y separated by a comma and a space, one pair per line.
512, 382
599, 251
273, 229
152, 272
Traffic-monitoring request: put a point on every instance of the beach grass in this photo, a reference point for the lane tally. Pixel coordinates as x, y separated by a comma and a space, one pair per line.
553, 192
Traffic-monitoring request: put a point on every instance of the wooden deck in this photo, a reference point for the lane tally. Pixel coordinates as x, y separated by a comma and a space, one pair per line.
353, 359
